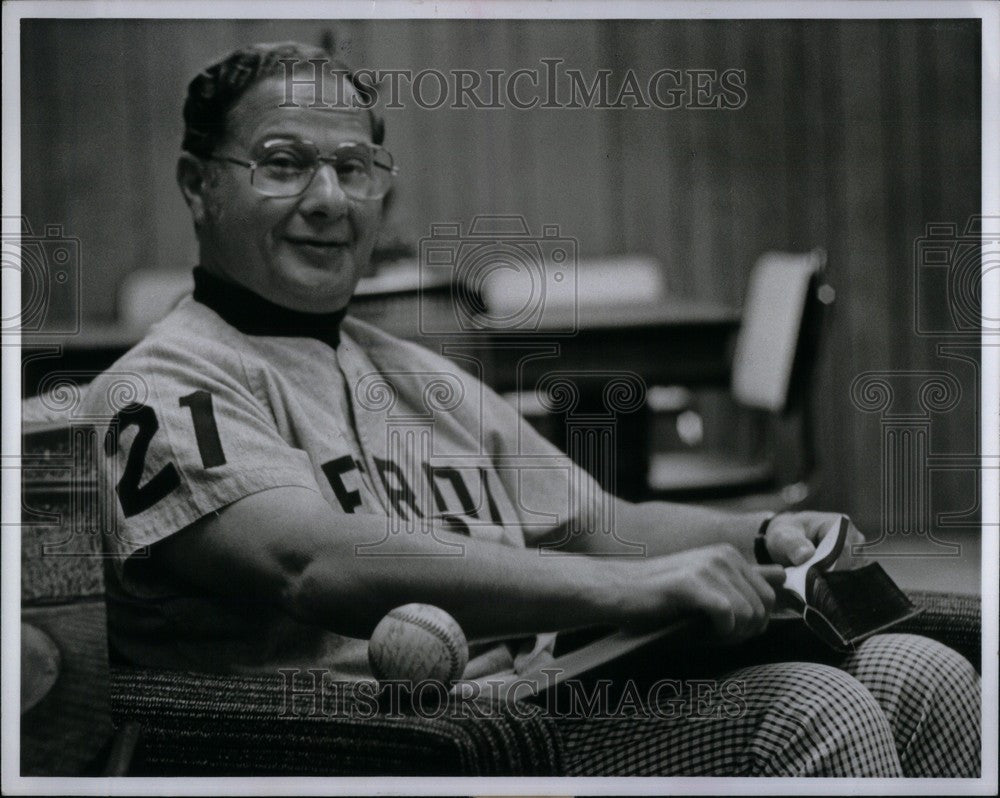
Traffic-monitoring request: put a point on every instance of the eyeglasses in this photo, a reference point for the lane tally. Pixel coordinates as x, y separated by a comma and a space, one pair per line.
286, 168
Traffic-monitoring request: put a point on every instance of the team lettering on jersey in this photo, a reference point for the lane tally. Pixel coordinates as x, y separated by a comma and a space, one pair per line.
449, 488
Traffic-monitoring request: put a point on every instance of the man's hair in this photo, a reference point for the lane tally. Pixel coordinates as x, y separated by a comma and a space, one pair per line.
214, 92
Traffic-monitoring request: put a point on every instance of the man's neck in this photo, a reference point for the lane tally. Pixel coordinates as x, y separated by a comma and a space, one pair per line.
251, 314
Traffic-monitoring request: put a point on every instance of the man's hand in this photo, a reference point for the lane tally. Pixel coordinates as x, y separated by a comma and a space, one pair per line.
717, 581
792, 537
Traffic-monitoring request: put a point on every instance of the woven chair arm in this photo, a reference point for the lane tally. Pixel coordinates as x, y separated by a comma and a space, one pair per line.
954, 619
198, 724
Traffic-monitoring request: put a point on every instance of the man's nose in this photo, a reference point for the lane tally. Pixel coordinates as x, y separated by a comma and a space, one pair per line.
324, 194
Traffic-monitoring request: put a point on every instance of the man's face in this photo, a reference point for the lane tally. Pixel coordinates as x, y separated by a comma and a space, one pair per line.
305, 252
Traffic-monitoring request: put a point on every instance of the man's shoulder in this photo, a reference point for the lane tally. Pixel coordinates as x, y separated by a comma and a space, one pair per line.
191, 338
413, 367
390, 353
193, 327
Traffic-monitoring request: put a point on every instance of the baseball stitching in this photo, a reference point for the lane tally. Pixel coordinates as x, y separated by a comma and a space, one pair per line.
440, 632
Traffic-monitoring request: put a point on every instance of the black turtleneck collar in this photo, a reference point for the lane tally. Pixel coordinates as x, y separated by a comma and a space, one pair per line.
253, 315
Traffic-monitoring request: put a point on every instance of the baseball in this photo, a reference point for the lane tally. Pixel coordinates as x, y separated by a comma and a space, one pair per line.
417, 642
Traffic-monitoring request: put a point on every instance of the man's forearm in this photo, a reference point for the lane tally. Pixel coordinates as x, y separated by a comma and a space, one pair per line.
666, 528
490, 589
345, 572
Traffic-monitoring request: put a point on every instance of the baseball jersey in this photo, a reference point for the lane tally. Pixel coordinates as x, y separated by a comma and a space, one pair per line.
231, 395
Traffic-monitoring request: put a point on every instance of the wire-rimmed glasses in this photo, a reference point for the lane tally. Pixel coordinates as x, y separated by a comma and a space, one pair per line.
283, 167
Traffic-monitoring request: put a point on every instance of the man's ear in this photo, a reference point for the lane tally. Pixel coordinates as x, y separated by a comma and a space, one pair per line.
192, 180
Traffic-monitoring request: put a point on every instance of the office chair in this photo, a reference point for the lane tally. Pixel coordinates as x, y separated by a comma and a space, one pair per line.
775, 352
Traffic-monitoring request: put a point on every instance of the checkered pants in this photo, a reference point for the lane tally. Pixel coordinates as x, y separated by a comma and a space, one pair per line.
901, 705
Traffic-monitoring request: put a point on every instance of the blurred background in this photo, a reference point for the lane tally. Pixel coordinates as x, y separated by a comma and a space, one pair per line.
855, 135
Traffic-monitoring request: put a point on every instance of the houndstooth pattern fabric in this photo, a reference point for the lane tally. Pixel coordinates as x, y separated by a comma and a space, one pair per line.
899, 706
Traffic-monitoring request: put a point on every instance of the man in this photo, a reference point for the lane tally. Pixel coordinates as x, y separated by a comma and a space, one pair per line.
276, 496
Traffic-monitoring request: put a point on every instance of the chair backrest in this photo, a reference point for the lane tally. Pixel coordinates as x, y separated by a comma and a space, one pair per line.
778, 337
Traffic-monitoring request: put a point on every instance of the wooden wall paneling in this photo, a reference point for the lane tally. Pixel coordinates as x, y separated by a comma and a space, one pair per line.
959, 144
138, 96
755, 142
519, 169
174, 56
677, 156
730, 263
392, 47
43, 170
958, 99
706, 196
385, 49
804, 138
741, 227
764, 120
47, 165
861, 80
806, 144
716, 274
902, 187
652, 147
909, 193
103, 206
930, 167
633, 137
454, 164
450, 129
770, 87
835, 446
501, 132
618, 127
869, 299
577, 155
499, 145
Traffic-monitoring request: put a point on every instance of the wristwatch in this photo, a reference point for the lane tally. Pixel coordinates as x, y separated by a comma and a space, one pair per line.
760, 552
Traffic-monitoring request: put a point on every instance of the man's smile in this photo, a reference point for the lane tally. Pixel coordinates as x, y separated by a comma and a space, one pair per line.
322, 244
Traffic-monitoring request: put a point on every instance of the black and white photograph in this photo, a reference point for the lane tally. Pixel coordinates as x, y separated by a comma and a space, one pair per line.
500, 398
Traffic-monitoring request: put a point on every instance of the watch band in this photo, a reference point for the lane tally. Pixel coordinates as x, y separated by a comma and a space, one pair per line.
760, 552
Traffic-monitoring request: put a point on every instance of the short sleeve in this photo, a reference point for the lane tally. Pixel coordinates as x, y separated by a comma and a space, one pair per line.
548, 488
189, 438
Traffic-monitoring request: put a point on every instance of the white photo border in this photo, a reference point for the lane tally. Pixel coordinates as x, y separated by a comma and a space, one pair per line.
16, 10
